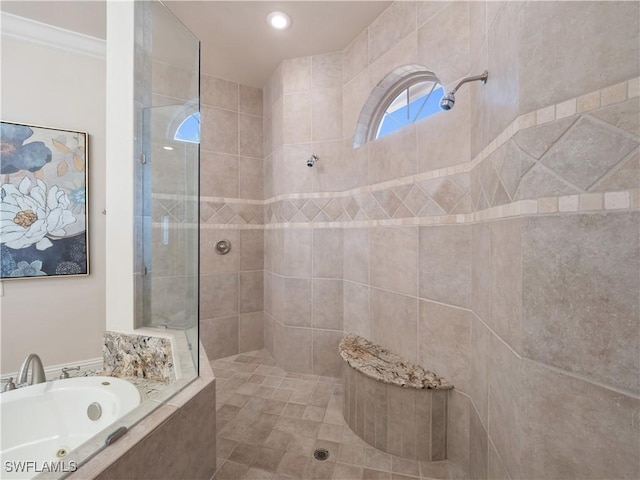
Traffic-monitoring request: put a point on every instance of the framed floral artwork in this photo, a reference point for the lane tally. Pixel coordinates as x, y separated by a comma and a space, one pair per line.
43, 202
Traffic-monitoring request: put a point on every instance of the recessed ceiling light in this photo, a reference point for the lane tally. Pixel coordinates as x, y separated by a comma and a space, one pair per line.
278, 20
167, 148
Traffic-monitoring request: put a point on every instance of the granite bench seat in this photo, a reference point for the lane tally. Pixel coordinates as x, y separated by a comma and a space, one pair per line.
393, 404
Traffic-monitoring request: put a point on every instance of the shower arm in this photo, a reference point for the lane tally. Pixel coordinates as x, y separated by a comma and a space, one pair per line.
483, 76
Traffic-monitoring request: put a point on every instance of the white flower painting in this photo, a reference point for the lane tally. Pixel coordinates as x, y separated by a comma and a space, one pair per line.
43, 214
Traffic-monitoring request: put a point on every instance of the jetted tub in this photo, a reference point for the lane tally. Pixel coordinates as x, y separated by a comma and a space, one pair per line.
42, 423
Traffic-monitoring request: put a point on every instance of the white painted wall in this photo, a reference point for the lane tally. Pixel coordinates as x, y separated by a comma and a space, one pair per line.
120, 167
60, 319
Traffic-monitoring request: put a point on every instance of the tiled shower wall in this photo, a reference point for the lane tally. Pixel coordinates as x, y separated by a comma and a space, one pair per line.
495, 244
231, 192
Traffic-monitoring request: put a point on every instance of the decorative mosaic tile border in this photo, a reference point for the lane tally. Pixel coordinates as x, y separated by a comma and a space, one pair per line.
440, 196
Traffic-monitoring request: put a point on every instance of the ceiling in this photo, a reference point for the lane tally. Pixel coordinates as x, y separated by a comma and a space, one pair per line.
236, 42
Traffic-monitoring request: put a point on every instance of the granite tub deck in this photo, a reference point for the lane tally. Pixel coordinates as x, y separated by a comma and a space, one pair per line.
392, 404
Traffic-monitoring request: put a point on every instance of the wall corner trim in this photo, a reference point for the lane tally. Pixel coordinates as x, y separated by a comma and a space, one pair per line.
27, 30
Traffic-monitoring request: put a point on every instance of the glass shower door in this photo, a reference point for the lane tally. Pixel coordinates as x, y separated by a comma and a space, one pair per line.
170, 177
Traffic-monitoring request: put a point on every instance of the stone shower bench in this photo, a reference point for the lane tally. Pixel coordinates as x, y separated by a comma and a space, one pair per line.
392, 404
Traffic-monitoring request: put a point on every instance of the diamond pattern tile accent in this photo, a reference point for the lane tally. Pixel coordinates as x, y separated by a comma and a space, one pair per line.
388, 201
448, 194
310, 210
587, 152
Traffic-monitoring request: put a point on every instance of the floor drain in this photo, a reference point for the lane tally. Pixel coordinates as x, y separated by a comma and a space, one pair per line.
321, 454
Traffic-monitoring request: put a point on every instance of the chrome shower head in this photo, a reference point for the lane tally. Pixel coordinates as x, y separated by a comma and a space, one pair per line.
447, 101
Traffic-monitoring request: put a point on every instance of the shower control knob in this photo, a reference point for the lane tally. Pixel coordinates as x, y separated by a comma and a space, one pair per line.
223, 247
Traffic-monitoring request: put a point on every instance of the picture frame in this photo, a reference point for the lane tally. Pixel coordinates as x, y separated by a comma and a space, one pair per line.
44, 202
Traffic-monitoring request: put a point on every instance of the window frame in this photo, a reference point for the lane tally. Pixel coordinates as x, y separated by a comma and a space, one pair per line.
383, 94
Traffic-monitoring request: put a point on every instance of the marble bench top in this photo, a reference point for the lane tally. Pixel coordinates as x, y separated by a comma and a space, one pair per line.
380, 364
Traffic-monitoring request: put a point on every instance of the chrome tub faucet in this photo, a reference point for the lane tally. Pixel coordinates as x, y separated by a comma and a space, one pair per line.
37, 371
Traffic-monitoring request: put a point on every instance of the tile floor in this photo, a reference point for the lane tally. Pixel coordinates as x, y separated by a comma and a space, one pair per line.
270, 421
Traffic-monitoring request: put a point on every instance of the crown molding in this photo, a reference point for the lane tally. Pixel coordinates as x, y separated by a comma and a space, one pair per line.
27, 30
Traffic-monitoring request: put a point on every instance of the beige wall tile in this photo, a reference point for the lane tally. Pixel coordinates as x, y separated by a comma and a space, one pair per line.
405, 52
215, 92
506, 281
444, 342
560, 427
458, 434
625, 175
251, 249
218, 175
354, 96
219, 336
443, 43
445, 264
587, 152
250, 135
327, 304
250, 100
251, 291
326, 106
297, 118
174, 82
505, 393
394, 322
326, 70
573, 286
356, 309
291, 174
495, 468
297, 253
218, 295
443, 138
250, 178
326, 359
296, 75
214, 263
479, 367
293, 348
250, 332
390, 27
393, 156
394, 252
268, 330
356, 56
297, 302
277, 122
219, 130
327, 253
427, 9
477, 27
333, 168
478, 447
604, 56
625, 115
356, 254
501, 90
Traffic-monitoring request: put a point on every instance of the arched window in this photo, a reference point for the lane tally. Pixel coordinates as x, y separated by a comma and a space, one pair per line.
189, 129
406, 95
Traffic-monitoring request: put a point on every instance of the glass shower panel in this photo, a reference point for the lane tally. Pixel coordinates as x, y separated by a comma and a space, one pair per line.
170, 178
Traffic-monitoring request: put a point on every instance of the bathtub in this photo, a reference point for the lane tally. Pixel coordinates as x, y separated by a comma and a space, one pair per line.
40, 424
